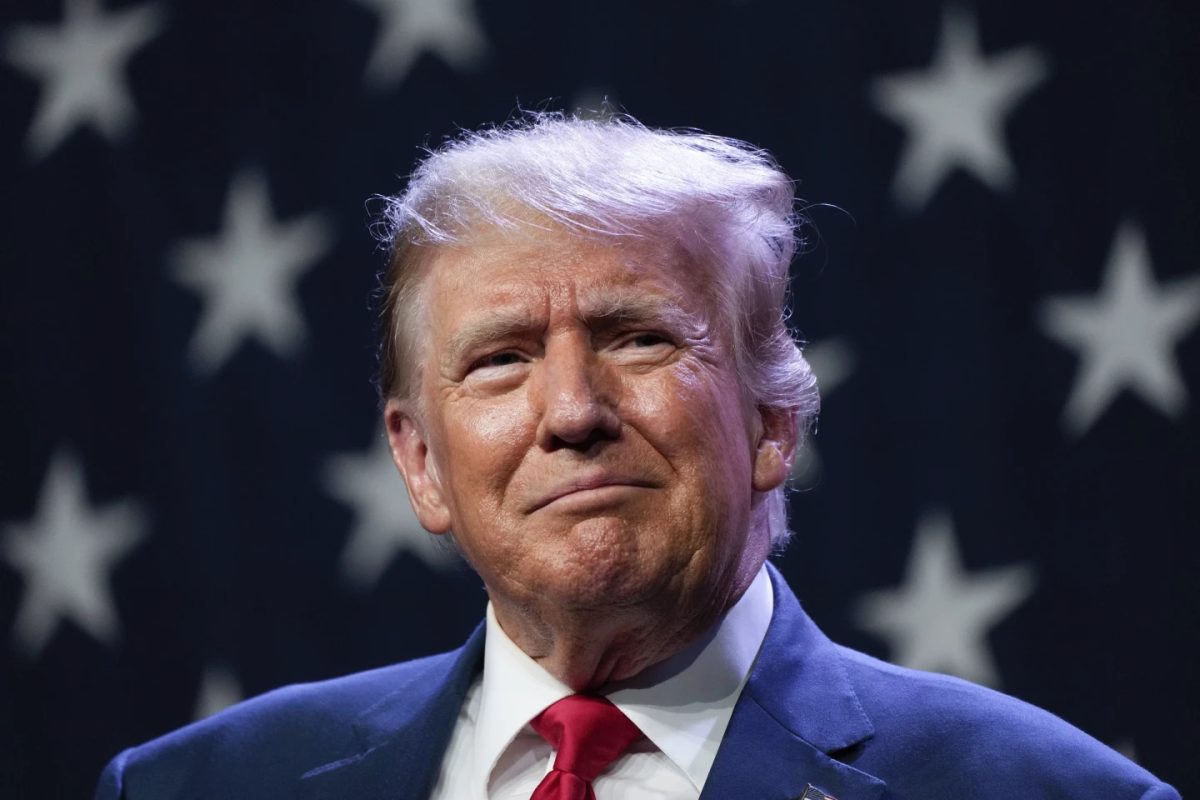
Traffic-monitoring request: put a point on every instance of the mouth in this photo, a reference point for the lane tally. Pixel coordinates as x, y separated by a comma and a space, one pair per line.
588, 490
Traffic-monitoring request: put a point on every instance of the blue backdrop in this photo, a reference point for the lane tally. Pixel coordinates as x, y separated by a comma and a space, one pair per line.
1001, 296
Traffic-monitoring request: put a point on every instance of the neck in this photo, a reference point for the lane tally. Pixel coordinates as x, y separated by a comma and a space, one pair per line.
590, 648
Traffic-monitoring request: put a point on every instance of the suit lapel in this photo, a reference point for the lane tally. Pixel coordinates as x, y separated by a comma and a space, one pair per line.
796, 714
402, 737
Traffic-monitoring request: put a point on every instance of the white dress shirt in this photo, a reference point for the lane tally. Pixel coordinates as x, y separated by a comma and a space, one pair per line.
683, 705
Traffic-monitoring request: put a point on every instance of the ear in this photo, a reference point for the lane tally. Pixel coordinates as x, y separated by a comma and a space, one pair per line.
410, 453
776, 448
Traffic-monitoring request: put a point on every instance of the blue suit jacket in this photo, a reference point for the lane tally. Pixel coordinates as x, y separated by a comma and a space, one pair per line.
812, 714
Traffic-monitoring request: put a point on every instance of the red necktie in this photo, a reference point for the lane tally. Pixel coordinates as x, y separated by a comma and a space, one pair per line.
587, 733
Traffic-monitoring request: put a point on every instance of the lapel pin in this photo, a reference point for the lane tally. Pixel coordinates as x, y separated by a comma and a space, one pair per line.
813, 793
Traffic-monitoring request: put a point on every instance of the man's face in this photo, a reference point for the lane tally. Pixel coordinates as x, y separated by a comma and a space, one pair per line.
582, 430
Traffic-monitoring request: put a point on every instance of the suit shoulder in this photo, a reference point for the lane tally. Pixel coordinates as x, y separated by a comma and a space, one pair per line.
307, 705
272, 737
940, 730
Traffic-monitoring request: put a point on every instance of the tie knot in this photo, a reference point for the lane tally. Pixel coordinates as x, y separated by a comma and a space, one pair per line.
587, 733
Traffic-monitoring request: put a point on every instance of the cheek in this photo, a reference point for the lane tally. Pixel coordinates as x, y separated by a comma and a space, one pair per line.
494, 428
481, 449
692, 408
697, 421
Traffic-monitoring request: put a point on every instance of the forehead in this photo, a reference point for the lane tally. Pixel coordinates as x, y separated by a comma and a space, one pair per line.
555, 270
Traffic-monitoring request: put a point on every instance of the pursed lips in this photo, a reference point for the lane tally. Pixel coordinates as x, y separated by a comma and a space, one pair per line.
583, 483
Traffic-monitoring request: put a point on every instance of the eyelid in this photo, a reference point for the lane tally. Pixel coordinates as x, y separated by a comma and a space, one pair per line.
481, 361
630, 338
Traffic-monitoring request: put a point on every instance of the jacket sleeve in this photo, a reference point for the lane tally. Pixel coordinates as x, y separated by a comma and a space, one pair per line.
112, 780
1161, 791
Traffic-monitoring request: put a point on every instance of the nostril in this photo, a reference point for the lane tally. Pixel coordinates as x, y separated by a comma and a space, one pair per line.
593, 439
576, 409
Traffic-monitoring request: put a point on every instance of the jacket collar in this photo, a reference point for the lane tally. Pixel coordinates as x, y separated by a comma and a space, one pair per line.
797, 714
404, 735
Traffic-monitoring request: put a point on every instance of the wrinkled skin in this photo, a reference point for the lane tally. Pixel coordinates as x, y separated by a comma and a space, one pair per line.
582, 432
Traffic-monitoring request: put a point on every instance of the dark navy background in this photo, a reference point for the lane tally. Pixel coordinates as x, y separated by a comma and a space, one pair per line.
949, 396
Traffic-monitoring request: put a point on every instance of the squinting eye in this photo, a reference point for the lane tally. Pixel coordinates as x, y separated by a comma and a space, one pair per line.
497, 360
647, 340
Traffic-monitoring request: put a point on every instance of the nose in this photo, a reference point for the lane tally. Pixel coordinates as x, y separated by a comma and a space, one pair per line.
578, 410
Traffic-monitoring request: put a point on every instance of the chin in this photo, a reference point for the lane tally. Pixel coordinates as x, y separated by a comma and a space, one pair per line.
603, 574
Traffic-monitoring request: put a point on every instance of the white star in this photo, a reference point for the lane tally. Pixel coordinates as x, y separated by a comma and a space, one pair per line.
247, 274
1126, 334
81, 65
409, 27
384, 523
954, 112
219, 689
939, 618
66, 554
832, 361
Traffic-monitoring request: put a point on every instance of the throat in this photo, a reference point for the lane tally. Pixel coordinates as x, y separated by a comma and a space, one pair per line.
590, 653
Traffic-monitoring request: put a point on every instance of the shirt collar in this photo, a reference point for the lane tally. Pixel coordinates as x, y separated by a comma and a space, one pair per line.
515, 690
683, 704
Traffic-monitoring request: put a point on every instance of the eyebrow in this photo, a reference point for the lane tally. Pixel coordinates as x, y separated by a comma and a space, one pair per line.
493, 326
600, 312
635, 307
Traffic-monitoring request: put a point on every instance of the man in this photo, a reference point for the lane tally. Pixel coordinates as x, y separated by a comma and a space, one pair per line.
588, 382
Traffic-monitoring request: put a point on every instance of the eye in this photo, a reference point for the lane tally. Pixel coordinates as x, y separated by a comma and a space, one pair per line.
646, 340
643, 348
495, 360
